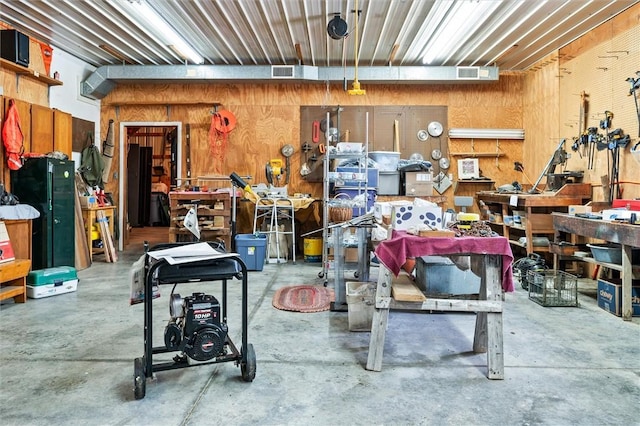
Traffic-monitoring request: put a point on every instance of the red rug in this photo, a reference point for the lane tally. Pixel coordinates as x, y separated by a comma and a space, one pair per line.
303, 298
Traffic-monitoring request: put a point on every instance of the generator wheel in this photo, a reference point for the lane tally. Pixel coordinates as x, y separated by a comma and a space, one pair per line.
139, 378
248, 364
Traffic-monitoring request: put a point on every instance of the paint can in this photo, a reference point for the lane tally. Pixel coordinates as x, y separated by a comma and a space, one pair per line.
313, 249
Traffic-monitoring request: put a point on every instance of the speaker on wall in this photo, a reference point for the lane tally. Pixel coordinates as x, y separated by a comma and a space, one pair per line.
14, 47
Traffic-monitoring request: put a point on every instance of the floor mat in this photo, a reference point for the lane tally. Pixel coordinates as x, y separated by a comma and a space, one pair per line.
303, 298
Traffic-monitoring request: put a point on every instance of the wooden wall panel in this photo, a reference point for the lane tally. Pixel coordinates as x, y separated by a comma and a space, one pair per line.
268, 116
601, 73
62, 124
41, 129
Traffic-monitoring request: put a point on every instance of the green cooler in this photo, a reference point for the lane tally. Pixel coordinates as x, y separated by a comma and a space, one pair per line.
51, 282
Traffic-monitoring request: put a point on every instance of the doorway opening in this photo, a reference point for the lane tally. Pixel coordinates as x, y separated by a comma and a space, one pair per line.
150, 164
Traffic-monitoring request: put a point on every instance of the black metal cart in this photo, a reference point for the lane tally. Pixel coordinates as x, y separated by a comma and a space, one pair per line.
206, 341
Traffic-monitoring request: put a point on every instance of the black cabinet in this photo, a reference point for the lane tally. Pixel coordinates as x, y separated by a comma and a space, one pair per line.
139, 162
47, 184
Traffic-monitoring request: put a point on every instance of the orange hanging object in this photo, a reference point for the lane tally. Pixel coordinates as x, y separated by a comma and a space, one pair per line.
47, 55
13, 137
222, 123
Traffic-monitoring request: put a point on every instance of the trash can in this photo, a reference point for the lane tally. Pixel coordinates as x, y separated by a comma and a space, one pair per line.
360, 304
252, 250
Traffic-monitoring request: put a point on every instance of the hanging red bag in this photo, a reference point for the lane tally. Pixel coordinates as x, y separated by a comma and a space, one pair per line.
12, 137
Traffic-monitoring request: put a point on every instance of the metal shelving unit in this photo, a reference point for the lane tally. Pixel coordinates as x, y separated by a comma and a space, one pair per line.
332, 233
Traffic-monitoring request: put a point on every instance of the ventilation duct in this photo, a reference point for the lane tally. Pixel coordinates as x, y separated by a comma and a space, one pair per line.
467, 73
103, 80
282, 71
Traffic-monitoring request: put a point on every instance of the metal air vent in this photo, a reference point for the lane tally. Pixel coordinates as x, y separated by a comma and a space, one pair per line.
468, 73
282, 71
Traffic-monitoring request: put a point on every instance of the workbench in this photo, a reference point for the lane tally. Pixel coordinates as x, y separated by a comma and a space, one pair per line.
627, 235
491, 259
536, 208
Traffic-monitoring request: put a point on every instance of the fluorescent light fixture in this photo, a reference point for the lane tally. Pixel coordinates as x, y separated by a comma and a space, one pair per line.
486, 134
115, 53
150, 21
454, 22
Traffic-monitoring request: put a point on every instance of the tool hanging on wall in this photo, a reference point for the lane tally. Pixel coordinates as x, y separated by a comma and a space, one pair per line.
617, 140
635, 92
581, 141
274, 169
222, 123
108, 146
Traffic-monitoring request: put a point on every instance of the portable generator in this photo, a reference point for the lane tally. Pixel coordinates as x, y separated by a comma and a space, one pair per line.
195, 327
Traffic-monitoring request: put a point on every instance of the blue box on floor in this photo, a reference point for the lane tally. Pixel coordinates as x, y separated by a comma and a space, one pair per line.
252, 250
610, 297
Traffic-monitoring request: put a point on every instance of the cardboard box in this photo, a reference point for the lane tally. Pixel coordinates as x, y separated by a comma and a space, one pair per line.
385, 208
6, 249
579, 209
613, 214
405, 217
88, 201
610, 297
418, 184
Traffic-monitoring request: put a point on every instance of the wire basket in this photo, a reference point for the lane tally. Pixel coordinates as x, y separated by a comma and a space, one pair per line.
553, 288
340, 210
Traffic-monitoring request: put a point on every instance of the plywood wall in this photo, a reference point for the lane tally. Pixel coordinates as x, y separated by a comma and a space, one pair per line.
601, 72
268, 117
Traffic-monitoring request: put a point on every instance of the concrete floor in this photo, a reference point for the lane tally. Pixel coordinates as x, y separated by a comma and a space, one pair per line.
68, 360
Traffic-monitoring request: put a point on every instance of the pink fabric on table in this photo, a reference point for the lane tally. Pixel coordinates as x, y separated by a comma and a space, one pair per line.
394, 253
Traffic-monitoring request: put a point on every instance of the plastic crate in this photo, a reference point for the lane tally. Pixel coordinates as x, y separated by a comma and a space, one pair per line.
553, 288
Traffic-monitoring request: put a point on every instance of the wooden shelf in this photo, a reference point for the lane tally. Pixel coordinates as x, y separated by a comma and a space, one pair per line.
28, 72
477, 154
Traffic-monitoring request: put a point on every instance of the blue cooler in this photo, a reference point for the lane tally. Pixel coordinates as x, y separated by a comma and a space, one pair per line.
252, 250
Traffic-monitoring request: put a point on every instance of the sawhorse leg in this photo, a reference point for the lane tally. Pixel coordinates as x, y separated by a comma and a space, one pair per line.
488, 330
380, 320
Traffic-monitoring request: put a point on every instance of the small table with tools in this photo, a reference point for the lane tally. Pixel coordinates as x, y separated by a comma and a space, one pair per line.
491, 258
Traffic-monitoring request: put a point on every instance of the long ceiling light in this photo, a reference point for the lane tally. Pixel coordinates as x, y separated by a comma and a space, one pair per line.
486, 134
150, 21
455, 22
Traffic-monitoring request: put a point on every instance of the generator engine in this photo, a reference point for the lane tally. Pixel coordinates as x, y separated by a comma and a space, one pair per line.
195, 327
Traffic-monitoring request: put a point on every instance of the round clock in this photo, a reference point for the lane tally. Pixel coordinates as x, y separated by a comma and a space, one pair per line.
436, 154
422, 135
434, 129
287, 150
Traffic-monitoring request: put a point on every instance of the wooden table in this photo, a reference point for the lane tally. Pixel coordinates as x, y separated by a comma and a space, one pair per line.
491, 258
614, 232
13, 280
89, 215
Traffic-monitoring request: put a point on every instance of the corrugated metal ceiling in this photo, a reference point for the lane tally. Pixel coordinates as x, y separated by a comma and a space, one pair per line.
514, 36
